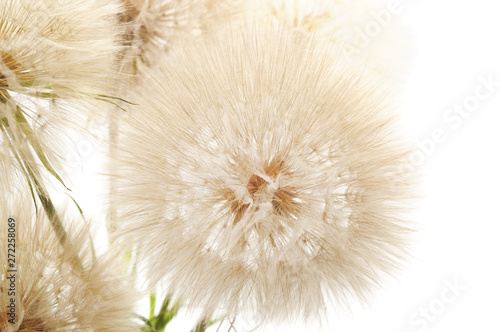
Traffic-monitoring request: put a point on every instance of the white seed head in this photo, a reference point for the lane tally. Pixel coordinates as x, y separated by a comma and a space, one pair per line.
50, 294
257, 175
154, 26
59, 46
56, 58
367, 31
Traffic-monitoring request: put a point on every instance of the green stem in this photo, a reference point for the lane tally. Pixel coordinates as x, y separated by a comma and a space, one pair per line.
162, 319
25, 157
152, 301
165, 315
32, 139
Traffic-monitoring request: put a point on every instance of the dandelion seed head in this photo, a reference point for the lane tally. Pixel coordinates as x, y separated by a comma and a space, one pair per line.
154, 26
366, 31
49, 293
61, 47
57, 57
257, 175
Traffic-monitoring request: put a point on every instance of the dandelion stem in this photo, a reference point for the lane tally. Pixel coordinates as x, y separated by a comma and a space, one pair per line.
166, 315
24, 155
152, 300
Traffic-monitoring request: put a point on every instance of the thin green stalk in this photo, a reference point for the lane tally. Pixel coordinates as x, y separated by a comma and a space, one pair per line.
166, 315
27, 161
31, 137
152, 301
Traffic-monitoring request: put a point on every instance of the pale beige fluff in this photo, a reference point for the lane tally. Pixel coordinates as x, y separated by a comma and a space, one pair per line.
49, 294
335, 18
154, 26
49, 128
365, 30
56, 57
59, 46
260, 175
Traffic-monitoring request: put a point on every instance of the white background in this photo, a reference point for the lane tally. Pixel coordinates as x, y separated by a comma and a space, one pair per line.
457, 43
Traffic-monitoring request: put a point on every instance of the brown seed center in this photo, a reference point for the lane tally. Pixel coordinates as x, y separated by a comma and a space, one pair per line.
131, 11
255, 184
284, 199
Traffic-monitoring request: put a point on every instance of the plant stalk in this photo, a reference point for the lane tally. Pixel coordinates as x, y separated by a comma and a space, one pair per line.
27, 161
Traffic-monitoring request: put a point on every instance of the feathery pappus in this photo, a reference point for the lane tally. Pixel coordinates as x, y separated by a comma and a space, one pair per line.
59, 47
154, 26
35, 140
57, 57
41, 291
260, 174
335, 18
367, 31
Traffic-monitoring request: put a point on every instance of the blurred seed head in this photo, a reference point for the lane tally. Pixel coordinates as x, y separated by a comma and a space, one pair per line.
154, 26
367, 31
51, 295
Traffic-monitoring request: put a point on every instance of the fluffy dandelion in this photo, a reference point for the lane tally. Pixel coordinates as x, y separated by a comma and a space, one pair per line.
36, 138
367, 31
154, 26
48, 294
58, 47
336, 18
56, 57
260, 174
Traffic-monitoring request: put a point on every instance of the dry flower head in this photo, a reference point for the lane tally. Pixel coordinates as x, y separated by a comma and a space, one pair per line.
260, 174
50, 295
